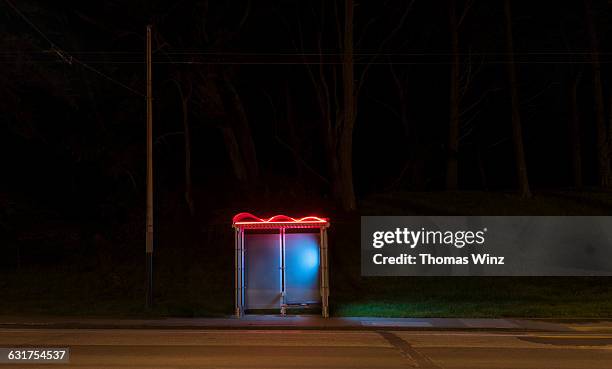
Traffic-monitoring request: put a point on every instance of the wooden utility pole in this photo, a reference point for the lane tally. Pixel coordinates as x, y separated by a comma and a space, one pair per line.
149, 236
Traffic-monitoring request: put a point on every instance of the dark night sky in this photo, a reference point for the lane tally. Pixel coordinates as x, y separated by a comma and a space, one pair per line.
74, 140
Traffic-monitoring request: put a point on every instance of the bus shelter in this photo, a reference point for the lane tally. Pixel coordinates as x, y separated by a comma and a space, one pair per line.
280, 263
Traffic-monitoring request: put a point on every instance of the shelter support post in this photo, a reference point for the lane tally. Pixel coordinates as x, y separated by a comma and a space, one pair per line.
283, 284
324, 275
239, 272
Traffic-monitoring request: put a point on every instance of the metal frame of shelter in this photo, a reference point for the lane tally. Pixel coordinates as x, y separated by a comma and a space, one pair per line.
247, 221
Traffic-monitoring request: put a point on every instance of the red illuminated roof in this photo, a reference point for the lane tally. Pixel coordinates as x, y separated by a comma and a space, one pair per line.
248, 220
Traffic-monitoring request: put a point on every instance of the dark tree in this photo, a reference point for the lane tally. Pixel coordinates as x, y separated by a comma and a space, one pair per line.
603, 141
517, 129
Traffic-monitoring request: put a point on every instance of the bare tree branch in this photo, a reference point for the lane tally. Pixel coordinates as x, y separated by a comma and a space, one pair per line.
466, 9
245, 15
371, 21
479, 100
390, 36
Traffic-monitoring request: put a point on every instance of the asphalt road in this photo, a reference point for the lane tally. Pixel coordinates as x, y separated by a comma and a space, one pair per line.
148, 348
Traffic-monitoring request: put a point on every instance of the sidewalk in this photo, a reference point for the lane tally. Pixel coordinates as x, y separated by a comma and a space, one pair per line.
307, 322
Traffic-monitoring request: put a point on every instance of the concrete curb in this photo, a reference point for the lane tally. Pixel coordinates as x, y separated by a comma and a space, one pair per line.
292, 323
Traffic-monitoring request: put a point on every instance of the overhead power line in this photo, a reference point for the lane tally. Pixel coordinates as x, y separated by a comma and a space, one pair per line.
357, 53
41, 33
326, 57
65, 57
293, 60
